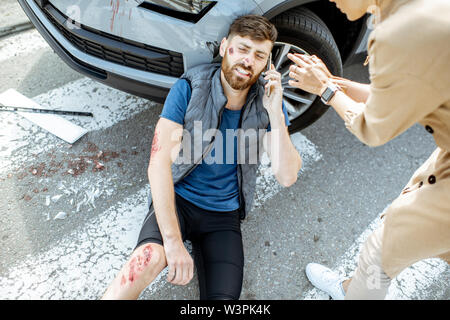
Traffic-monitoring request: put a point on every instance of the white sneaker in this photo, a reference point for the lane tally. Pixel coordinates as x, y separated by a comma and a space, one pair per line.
326, 280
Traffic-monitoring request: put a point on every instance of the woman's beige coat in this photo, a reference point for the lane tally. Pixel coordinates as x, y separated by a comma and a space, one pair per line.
409, 65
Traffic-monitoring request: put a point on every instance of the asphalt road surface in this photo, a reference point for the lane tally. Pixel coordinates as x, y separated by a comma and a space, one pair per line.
70, 214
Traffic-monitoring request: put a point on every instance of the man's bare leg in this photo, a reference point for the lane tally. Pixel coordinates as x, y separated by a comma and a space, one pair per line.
145, 263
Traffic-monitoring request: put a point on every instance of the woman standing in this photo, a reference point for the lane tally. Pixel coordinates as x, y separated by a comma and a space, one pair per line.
409, 66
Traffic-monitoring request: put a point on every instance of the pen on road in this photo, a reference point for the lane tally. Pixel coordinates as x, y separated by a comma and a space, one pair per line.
35, 110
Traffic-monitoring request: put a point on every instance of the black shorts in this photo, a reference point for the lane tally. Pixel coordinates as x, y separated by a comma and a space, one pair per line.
216, 242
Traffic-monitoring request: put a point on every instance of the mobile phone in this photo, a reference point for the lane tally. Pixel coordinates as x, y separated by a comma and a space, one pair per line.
269, 65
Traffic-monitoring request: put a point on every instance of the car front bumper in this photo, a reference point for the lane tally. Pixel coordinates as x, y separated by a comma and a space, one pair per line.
146, 84
95, 59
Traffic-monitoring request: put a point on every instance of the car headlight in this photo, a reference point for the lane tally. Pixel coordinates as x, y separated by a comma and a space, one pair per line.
186, 6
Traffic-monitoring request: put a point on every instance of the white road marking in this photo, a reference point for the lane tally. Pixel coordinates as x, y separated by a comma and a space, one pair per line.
266, 183
21, 44
81, 265
412, 284
20, 139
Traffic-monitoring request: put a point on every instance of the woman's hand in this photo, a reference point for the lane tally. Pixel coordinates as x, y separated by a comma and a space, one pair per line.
356, 91
309, 74
321, 65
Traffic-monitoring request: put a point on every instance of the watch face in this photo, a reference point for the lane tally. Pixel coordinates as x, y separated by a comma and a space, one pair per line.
327, 94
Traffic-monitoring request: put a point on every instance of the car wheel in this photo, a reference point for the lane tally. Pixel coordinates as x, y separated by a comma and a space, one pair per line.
302, 31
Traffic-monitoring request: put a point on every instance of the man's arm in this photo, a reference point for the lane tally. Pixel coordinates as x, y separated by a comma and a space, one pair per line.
165, 147
285, 160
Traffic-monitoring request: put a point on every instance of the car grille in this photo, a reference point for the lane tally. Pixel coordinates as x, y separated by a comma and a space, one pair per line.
116, 49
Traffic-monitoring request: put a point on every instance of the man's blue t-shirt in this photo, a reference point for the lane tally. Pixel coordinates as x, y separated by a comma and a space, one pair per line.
211, 186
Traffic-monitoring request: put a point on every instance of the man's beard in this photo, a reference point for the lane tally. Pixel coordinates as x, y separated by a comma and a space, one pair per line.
235, 82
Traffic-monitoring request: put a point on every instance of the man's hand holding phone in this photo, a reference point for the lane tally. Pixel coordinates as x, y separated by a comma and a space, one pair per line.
273, 98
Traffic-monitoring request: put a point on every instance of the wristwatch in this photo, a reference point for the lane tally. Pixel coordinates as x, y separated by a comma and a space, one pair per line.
329, 93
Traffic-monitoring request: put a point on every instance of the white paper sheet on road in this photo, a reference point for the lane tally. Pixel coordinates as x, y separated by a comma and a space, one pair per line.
54, 124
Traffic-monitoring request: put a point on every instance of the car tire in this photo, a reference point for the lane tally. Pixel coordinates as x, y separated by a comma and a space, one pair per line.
304, 29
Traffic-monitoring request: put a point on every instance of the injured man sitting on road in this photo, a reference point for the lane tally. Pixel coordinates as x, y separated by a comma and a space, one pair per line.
217, 121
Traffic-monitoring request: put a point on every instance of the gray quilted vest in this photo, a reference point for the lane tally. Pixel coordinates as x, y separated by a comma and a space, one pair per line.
204, 112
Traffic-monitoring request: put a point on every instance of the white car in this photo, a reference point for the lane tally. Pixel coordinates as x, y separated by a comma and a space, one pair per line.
144, 46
